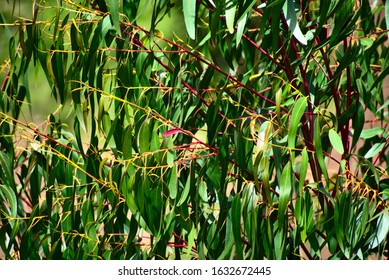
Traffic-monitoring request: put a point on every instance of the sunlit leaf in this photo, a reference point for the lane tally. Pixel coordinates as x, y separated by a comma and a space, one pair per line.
240, 29
336, 141
231, 6
291, 19
382, 230
372, 132
189, 8
126, 139
374, 150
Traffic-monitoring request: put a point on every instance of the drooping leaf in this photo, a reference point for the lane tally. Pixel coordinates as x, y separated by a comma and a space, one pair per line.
189, 7
114, 13
319, 149
240, 29
303, 169
285, 193
382, 230
8, 194
297, 113
173, 183
236, 225
231, 6
291, 19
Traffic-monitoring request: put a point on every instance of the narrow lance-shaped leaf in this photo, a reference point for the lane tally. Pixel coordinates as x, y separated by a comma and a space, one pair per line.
377, 147
7, 169
285, 191
303, 169
319, 149
189, 7
6, 193
297, 114
230, 15
291, 20
172, 186
184, 193
236, 216
240, 29
114, 11
382, 229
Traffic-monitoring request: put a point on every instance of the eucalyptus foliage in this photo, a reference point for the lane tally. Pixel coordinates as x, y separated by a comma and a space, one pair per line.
250, 137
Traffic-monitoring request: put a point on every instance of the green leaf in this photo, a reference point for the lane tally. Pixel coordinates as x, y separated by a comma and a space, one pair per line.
343, 21
189, 7
191, 240
231, 6
318, 149
297, 113
185, 192
127, 143
303, 169
229, 241
383, 106
291, 19
6, 193
144, 137
385, 194
240, 29
336, 141
285, 192
7, 168
358, 121
173, 183
324, 8
236, 217
382, 230
264, 166
114, 13
370, 133
377, 147
202, 191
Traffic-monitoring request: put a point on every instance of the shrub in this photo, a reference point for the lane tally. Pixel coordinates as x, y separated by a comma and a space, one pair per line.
260, 134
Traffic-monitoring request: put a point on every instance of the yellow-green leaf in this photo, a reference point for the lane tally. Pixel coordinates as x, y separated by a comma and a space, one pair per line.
189, 7
336, 141
230, 15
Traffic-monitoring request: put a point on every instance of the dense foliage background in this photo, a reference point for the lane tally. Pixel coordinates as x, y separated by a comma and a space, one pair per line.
258, 130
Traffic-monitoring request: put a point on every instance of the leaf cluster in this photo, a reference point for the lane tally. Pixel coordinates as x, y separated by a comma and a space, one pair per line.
261, 135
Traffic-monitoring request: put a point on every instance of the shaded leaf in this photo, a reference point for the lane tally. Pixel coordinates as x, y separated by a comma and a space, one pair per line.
6, 193
297, 113
285, 192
